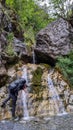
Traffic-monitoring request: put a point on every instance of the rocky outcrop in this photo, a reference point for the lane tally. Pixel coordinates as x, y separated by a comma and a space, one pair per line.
9, 25
3, 74
40, 98
53, 41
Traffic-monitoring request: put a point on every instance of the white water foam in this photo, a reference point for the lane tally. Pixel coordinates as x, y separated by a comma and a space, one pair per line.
24, 98
24, 95
55, 97
24, 101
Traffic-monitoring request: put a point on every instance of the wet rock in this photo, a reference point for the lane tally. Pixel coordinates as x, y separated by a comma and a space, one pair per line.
70, 108
53, 41
71, 99
11, 73
3, 21
2, 71
21, 50
5, 114
19, 46
43, 102
67, 95
3, 76
43, 108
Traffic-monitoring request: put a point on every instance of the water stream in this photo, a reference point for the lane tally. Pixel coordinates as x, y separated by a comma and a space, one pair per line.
58, 104
24, 96
24, 75
33, 57
25, 109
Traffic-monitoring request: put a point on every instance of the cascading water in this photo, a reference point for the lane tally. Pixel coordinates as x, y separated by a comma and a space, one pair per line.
24, 96
55, 97
24, 101
33, 54
24, 75
33, 57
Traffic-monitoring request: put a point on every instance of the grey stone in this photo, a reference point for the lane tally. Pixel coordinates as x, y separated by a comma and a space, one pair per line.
53, 41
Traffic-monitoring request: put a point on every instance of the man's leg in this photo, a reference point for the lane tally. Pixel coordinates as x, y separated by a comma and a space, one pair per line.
14, 99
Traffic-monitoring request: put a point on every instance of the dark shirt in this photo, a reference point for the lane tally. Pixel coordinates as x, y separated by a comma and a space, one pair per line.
17, 85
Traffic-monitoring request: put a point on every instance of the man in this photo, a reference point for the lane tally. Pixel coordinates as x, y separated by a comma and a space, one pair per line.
13, 88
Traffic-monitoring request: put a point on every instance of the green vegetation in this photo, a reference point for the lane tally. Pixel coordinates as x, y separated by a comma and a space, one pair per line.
10, 37
30, 14
29, 36
37, 76
31, 17
47, 66
9, 49
65, 66
36, 80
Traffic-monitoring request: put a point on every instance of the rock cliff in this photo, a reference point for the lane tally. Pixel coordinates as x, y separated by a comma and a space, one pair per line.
53, 41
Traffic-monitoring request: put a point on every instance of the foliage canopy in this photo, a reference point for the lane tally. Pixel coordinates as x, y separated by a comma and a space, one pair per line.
31, 17
29, 14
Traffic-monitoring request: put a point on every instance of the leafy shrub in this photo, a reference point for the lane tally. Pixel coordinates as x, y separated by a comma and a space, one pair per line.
65, 65
29, 36
9, 49
30, 14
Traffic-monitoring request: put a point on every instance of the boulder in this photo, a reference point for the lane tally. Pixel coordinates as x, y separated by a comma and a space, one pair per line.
53, 41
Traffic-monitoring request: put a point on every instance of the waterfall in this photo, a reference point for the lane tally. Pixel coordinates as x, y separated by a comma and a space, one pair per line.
24, 75
24, 96
24, 101
58, 104
33, 57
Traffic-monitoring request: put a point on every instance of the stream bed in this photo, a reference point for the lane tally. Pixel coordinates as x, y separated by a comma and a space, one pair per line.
64, 122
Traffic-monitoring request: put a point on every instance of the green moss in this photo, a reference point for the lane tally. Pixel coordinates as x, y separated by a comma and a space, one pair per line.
36, 81
10, 37
9, 49
37, 76
47, 66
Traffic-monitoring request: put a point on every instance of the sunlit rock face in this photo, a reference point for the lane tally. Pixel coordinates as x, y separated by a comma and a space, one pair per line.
40, 99
53, 41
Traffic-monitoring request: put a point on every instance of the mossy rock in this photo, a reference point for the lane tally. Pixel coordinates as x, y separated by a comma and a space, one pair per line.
47, 66
37, 74
36, 81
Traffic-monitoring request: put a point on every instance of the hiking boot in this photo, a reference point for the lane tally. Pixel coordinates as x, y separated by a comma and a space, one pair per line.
15, 118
